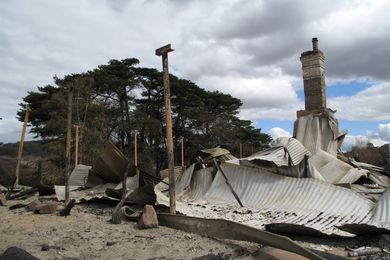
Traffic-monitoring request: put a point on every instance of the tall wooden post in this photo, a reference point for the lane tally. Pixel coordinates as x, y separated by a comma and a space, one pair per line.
240, 150
135, 149
163, 51
76, 146
68, 139
20, 151
182, 151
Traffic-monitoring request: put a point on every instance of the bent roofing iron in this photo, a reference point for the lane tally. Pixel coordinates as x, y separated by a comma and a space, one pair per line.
305, 203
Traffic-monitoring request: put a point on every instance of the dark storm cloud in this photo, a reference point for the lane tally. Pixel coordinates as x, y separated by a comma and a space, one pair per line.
367, 57
252, 19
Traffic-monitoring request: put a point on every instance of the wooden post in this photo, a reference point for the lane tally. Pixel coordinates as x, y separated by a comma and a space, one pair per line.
240, 150
182, 151
163, 51
76, 146
20, 151
68, 139
135, 149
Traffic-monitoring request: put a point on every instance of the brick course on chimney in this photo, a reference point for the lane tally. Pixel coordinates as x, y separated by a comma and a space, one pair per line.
313, 66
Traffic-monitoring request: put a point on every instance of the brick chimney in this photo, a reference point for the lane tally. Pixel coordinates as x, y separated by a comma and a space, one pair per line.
314, 78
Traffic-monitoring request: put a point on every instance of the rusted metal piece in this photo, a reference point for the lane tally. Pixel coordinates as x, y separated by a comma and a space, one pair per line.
68, 139
226, 229
163, 51
109, 167
227, 182
20, 151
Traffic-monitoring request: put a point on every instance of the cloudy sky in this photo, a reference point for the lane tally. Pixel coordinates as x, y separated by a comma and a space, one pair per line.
249, 49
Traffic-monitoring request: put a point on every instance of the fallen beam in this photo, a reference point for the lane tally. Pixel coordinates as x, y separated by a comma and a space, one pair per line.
225, 229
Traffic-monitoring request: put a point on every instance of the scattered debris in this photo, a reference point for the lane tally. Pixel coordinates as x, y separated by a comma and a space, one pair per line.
117, 213
130, 214
66, 210
17, 206
16, 253
23, 193
148, 218
225, 229
109, 167
46, 247
33, 205
46, 208
363, 251
110, 243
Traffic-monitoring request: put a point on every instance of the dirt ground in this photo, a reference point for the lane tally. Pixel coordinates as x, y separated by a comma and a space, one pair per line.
88, 234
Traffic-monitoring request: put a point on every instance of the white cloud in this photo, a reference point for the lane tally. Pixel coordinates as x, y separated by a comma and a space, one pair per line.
277, 132
384, 131
369, 104
376, 138
11, 128
354, 141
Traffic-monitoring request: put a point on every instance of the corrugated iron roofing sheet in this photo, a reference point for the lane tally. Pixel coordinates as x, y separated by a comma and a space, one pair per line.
317, 132
334, 170
285, 152
109, 167
269, 198
97, 192
79, 175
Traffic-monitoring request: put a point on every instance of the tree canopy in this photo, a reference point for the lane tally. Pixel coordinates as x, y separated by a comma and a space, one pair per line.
117, 98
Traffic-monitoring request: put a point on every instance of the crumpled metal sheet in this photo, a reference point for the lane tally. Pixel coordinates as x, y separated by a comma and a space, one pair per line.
334, 170
303, 203
216, 152
80, 194
286, 157
379, 222
285, 152
79, 175
97, 192
367, 166
379, 178
318, 131
224, 229
382, 210
109, 167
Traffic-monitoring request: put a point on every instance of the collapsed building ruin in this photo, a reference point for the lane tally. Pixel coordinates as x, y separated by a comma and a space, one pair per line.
301, 184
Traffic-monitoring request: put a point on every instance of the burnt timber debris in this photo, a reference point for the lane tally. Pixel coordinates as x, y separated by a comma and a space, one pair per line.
301, 185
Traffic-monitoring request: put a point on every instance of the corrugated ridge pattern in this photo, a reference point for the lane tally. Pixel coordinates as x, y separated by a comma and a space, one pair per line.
309, 202
79, 175
296, 151
200, 184
382, 210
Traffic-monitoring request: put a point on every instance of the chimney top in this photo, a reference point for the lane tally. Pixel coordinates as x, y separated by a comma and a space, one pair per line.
315, 44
